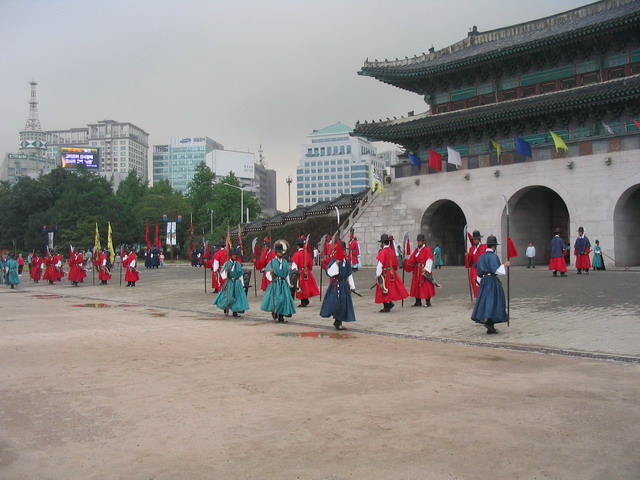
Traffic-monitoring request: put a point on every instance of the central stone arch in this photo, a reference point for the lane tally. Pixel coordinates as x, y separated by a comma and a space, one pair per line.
443, 224
535, 212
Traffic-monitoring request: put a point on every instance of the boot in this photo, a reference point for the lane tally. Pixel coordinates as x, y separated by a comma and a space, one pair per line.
418, 303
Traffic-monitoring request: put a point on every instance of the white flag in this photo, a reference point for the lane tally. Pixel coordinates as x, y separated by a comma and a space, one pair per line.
608, 128
454, 157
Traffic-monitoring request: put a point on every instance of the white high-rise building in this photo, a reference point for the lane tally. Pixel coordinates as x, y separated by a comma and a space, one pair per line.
332, 163
123, 146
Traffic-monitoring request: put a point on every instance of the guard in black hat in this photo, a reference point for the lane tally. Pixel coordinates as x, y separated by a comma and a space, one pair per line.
471, 258
303, 283
420, 263
581, 249
491, 305
389, 286
233, 297
557, 251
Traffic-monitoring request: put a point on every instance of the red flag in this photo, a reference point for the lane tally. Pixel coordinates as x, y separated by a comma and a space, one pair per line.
256, 251
637, 123
157, 240
339, 256
207, 251
407, 248
146, 235
435, 160
470, 238
511, 248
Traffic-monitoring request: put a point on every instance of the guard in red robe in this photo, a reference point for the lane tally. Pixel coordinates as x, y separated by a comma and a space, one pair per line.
306, 285
420, 261
219, 259
35, 268
472, 257
328, 250
130, 262
59, 271
582, 249
103, 265
265, 257
354, 253
75, 267
389, 286
50, 273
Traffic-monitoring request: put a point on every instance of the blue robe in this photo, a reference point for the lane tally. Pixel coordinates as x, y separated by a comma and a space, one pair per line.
12, 274
337, 301
491, 304
437, 255
233, 287
598, 261
277, 297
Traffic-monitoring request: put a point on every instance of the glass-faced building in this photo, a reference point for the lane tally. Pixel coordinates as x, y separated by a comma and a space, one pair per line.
333, 163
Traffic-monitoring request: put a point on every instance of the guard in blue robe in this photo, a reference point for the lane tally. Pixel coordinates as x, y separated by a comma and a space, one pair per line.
277, 297
11, 265
337, 300
491, 306
232, 297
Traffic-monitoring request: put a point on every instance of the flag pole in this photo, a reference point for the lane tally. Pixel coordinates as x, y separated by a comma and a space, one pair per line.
466, 239
506, 203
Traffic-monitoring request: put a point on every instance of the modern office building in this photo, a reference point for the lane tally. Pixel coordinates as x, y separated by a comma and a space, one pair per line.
123, 146
333, 163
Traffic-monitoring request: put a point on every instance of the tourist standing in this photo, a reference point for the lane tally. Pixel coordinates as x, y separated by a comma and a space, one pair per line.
531, 255
437, 257
598, 260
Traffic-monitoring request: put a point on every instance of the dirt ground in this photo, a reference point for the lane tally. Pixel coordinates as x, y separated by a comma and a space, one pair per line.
131, 392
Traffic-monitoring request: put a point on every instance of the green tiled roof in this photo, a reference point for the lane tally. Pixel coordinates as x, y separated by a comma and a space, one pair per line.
624, 91
335, 128
548, 34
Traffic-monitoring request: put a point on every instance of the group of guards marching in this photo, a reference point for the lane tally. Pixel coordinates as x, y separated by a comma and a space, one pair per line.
50, 267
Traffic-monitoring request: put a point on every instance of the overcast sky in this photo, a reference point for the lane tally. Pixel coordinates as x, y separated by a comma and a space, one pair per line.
242, 72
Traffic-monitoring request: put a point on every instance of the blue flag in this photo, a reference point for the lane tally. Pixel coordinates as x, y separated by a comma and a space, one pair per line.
415, 160
523, 147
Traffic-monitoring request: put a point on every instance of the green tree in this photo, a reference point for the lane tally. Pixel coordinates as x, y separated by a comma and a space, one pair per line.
200, 193
226, 204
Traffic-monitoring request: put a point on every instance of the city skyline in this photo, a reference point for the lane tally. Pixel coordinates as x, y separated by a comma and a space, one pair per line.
243, 73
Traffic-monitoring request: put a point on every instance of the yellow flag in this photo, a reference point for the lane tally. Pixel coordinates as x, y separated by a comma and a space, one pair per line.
558, 142
498, 148
112, 254
96, 243
376, 180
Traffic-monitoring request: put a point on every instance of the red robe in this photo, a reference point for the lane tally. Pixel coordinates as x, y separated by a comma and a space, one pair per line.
416, 263
470, 263
35, 269
261, 264
130, 263
393, 282
306, 281
328, 251
217, 282
50, 272
75, 270
59, 272
354, 251
103, 272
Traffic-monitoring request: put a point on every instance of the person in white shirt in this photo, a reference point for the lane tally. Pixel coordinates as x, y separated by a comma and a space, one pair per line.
531, 255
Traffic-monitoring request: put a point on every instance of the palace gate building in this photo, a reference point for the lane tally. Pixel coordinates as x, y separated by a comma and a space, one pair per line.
576, 74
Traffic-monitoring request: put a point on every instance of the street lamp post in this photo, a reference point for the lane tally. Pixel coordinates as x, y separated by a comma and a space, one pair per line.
241, 199
289, 180
211, 218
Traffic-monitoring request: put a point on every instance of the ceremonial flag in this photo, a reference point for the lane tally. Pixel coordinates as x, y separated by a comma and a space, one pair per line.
511, 248
256, 249
157, 239
228, 239
240, 238
637, 123
608, 128
415, 160
558, 142
407, 248
498, 148
454, 157
192, 245
523, 147
146, 235
96, 242
112, 254
207, 250
376, 180
435, 160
